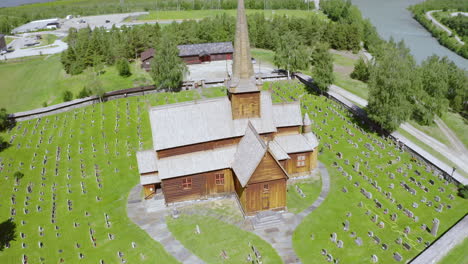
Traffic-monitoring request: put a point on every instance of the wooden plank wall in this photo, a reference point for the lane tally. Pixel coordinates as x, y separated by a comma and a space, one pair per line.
245, 105
267, 170
291, 165
258, 200
197, 147
203, 186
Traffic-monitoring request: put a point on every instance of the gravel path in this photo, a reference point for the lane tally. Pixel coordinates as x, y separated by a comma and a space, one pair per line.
441, 26
454, 140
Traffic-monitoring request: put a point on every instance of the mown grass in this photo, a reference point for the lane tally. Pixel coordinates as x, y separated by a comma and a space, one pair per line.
199, 14
217, 236
310, 187
336, 128
432, 130
29, 83
457, 254
85, 156
214, 92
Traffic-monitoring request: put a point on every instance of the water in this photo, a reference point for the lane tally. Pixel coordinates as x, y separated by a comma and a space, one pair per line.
7, 3
391, 18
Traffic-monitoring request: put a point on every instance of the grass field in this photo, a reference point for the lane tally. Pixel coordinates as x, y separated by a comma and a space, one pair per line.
199, 14
310, 187
217, 236
432, 130
28, 83
457, 255
79, 166
381, 164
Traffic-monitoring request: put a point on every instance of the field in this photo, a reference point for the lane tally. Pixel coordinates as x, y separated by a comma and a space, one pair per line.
457, 254
79, 167
199, 14
379, 167
33, 81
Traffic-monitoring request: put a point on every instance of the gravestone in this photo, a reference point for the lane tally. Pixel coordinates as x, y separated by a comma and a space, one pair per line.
397, 256
381, 224
358, 241
333, 237
340, 244
435, 226
374, 259
346, 225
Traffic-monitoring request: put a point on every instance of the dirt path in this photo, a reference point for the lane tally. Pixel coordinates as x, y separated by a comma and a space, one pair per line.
454, 140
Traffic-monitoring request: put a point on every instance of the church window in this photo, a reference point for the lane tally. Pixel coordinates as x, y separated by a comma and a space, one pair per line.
266, 188
219, 177
187, 183
301, 161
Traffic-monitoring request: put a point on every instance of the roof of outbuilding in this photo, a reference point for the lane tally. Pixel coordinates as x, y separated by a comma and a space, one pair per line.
205, 48
147, 161
196, 162
249, 153
147, 54
203, 121
294, 143
287, 114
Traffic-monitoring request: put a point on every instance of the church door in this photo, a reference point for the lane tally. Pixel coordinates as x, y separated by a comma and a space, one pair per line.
265, 202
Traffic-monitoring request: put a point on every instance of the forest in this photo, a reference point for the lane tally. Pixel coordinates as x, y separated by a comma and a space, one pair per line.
12, 17
458, 23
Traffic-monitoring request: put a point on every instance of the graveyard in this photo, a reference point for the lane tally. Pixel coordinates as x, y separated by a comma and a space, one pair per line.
79, 167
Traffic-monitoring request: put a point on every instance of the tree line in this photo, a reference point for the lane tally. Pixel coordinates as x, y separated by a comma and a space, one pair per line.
458, 23
12, 17
419, 13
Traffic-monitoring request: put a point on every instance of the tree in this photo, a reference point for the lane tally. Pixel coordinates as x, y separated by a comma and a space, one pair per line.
391, 86
463, 191
361, 71
85, 92
123, 67
290, 54
167, 69
18, 176
322, 62
7, 233
4, 120
67, 96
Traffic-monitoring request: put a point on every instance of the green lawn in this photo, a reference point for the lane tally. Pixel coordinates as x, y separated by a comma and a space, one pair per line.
214, 92
263, 55
457, 255
330, 216
217, 236
199, 14
28, 83
85, 156
458, 125
310, 187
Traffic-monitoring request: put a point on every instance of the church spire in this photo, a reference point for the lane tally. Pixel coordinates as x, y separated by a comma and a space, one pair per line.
242, 67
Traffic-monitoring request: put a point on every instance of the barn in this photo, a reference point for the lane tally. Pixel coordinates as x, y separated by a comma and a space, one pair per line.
194, 53
242, 144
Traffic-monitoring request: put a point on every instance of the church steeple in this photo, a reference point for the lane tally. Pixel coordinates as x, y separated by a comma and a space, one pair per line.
243, 91
242, 67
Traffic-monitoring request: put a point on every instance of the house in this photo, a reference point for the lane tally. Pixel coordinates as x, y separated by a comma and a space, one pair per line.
194, 53
3, 45
241, 144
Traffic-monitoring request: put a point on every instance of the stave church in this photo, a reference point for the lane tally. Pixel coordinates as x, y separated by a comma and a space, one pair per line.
240, 144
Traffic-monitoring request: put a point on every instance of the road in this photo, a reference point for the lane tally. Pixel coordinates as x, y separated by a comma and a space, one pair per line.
459, 155
441, 26
56, 47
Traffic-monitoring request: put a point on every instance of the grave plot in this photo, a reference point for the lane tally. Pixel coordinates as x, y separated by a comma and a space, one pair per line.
78, 169
215, 241
302, 193
383, 207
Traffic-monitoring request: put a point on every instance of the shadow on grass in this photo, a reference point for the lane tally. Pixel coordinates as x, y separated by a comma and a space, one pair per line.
7, 233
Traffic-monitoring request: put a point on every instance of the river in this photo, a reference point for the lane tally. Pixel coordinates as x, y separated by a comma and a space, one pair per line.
392, 19
7, 3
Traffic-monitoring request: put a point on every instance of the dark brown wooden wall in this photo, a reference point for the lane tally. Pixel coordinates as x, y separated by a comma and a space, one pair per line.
197, 147
245, 105
288, 130
203, 185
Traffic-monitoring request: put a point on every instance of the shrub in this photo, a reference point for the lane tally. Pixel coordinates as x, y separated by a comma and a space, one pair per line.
463, 191
67, 96
123, 67
361, 71
85, 92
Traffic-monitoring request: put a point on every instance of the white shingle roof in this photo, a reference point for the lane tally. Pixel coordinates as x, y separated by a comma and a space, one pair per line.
147, 161
312, 139
202, 121
287, 114
294, 143
196, 162
277, 151
249, 153
150, 178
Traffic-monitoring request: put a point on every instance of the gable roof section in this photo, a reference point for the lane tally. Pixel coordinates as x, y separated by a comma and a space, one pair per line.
196, 162
203, 121
250, 152
294, 143
147, 54
277, 151
287, 114
147, 161
205, 48
312, 139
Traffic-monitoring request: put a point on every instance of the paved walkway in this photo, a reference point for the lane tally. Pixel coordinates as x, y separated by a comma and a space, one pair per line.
444, 244
154, 224
441, 26
280, 237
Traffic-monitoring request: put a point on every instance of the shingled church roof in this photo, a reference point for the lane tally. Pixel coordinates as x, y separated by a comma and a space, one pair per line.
205, 48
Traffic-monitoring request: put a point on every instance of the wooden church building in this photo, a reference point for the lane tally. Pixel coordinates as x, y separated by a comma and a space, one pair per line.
240, 144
